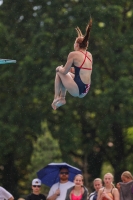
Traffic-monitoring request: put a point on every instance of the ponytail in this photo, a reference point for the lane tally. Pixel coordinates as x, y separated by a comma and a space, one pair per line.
83, 40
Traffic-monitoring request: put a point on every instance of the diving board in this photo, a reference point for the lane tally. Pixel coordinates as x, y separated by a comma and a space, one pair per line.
7, 61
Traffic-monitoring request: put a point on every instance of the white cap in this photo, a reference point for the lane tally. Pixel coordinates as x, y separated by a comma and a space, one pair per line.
36, 181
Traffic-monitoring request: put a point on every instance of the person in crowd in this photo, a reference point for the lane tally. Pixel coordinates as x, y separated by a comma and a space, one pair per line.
4, 194
97, 184
58, 190
126, 186
78, 191
36, 189
126, 177
80, 62
109, 191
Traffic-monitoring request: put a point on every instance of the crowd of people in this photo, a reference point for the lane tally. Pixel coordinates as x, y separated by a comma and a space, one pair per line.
67, 190
104, 189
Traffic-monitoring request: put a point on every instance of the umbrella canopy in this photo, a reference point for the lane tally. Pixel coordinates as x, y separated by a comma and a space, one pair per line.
49, 175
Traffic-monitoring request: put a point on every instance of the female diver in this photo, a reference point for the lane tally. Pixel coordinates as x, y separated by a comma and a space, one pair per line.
79, 61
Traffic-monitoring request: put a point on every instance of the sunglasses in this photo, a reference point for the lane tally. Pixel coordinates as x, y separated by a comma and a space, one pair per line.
36, 186
64, 173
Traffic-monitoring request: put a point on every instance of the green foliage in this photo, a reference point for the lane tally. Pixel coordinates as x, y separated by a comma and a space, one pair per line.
106, 167
46, 150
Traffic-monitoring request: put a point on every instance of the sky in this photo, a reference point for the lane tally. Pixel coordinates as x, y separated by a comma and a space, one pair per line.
1, 2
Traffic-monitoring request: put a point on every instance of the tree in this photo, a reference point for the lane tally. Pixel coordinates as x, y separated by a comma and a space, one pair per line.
45, 150
105, 105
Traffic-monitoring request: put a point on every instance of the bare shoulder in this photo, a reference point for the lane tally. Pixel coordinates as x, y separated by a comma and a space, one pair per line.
115, 190
72, 53
89, 54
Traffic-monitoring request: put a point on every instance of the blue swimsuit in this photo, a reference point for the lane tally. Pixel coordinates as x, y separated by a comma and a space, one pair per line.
83, 88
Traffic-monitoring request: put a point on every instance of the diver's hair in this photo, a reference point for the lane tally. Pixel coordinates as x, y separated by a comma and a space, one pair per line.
83, 39
127, 174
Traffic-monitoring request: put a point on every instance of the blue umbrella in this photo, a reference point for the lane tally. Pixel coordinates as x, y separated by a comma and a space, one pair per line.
49, 175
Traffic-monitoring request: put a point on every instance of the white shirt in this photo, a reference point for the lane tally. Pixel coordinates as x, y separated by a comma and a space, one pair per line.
63, 187
4, 194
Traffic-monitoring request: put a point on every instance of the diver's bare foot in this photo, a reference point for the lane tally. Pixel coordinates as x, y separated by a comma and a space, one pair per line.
54, 102
60, 103
53, 106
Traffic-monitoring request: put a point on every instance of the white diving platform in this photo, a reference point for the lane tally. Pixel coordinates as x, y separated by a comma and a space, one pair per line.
6, 61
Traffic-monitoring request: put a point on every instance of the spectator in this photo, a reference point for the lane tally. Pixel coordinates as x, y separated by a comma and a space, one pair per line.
108, 192
126, 177
78, 191
126, 186
97, 183
4, 194
58, 190
36, 188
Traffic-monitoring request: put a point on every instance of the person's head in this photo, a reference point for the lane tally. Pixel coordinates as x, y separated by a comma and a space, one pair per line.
81, 41
64, 175
36, 185
126, 177
78, 180
97, 183
108, 179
